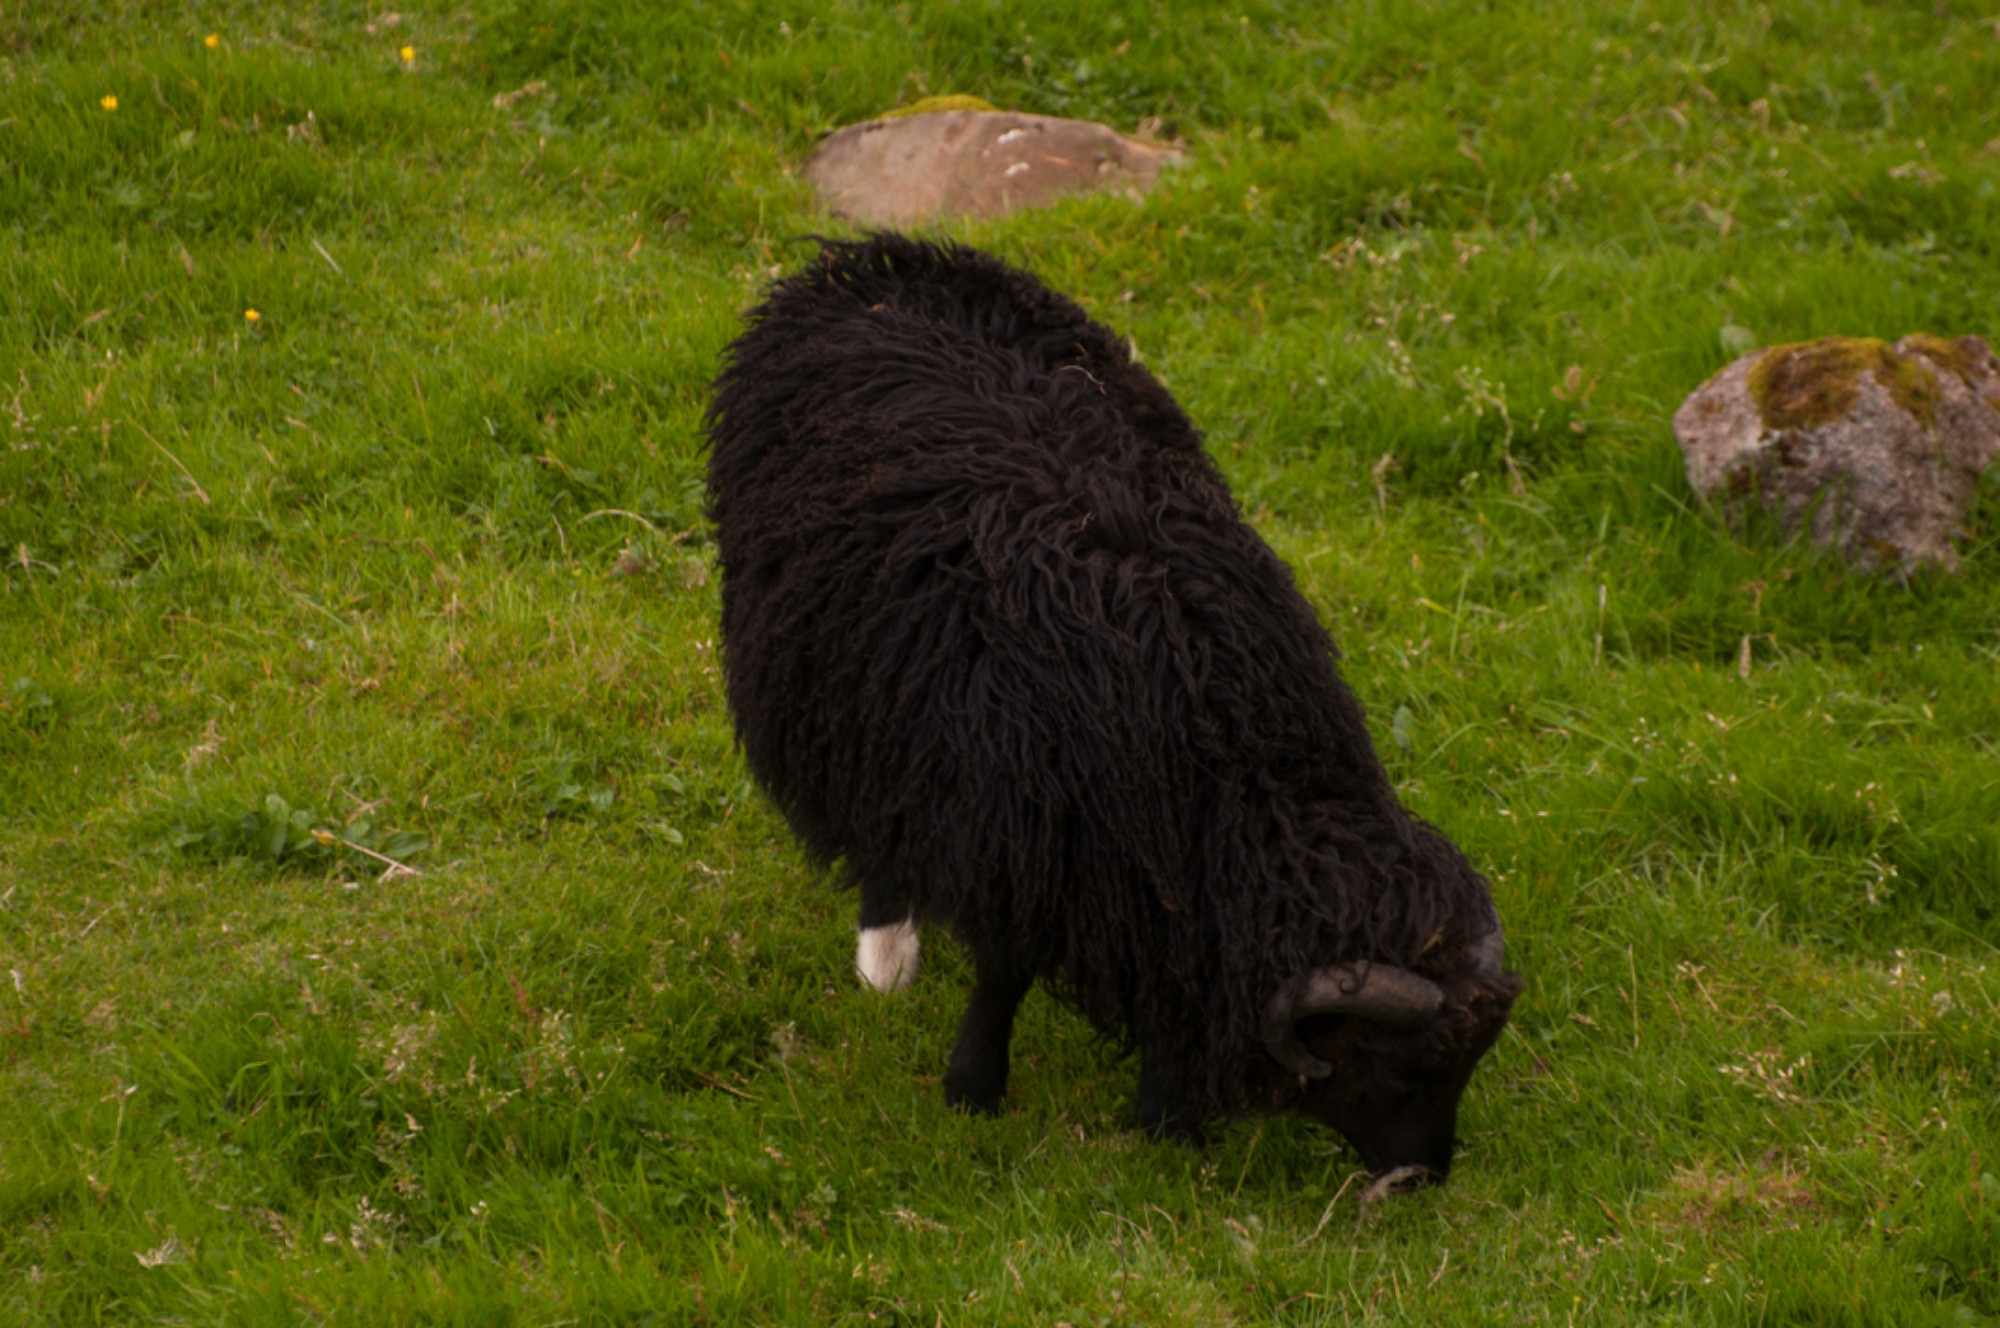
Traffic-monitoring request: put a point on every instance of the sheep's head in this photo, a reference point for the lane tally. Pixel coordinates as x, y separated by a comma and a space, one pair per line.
1382, 1054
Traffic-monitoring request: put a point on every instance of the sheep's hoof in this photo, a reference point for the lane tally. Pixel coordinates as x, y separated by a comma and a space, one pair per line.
968, 1099
1174, 1131
1170, 1122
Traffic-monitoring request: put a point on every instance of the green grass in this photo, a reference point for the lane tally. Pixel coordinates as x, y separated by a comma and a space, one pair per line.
417, 560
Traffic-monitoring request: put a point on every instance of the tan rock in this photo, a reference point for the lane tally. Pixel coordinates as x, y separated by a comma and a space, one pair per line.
897, 171
1880, 447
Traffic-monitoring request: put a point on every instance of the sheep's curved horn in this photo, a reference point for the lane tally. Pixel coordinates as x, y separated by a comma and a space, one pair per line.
1383, 993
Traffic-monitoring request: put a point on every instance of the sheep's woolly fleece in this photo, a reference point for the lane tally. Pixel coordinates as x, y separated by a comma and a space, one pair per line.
996, 635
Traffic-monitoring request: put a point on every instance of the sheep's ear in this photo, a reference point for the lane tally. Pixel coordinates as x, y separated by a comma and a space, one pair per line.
1504, 990
1482, 1012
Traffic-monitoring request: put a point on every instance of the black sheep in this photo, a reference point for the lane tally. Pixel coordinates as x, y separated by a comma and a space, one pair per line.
996, 635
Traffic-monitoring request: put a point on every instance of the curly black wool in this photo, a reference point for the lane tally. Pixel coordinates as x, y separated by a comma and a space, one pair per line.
996, 635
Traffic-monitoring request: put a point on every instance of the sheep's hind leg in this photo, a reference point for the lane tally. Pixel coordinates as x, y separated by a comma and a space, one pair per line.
1164, 1100
977, 1075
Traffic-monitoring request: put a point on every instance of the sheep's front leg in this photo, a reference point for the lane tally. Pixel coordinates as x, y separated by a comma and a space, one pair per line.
977, 1075
1165, 1109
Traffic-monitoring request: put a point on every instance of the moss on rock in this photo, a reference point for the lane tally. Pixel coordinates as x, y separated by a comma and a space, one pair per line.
951, 101
1914, 387
1957, 356
1807, 384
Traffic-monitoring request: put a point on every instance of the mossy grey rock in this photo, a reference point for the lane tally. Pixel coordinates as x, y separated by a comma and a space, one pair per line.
1879, 447
900, 170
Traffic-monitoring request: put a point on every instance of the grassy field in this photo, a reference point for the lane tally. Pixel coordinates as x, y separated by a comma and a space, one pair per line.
410, 564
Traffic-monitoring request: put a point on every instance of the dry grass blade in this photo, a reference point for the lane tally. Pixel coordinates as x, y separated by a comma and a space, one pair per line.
1403, 1180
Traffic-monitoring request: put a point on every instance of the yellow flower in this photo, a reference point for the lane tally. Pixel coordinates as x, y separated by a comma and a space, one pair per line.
251, 315
212, 40
409, 54
108, 103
